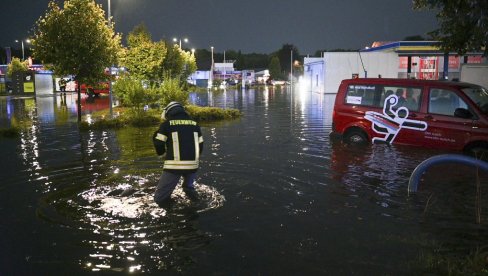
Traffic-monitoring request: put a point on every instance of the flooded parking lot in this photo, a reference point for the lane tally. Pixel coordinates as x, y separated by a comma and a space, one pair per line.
278, 196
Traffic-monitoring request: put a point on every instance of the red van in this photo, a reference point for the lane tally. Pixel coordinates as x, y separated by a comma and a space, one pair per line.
434, 114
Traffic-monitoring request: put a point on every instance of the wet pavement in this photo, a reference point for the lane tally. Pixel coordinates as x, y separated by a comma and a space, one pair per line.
278, 196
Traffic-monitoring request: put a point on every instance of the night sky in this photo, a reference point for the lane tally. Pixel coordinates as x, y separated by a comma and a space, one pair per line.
260, 26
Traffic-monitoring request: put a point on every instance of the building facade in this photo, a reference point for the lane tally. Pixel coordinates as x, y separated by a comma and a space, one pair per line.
402, 59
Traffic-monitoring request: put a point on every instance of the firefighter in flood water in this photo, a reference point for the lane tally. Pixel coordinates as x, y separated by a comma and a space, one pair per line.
179, 140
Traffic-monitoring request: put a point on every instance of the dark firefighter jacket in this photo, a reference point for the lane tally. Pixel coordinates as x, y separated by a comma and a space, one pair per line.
181, 139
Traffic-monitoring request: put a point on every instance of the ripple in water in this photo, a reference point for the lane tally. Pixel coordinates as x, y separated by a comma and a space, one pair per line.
125, 201
124, 230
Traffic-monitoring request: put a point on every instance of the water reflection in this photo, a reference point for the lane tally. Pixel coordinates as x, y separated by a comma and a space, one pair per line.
79, 175
59, 109
113, 200
134, 224
273, 187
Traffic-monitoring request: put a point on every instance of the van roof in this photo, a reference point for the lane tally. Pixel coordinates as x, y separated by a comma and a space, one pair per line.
409, 82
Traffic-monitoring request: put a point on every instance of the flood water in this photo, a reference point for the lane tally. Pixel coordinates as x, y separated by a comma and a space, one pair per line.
278, 197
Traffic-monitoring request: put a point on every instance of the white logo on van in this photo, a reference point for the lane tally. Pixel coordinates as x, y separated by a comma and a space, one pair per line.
392, 121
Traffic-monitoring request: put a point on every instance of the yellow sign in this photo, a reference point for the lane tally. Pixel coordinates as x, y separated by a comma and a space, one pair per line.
28, 87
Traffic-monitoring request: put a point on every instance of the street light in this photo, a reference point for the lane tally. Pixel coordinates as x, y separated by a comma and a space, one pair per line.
210, 76
110, 97
176, 40
22, 42
108, 13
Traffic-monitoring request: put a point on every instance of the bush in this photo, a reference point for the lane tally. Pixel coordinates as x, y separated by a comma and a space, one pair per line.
17, 66
170, 90
132, 94
141, 119
200, 114
152, 117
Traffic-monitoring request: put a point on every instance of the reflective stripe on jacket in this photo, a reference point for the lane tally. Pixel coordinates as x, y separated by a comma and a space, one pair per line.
181, 139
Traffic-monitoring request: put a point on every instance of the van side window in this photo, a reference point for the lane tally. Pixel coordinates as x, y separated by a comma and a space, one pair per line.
363, 95
444, 102
408, 97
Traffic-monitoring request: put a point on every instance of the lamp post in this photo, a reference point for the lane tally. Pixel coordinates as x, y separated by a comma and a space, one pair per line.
179, 39
110, 102
291, 69
210, 75
22, 42
108, 13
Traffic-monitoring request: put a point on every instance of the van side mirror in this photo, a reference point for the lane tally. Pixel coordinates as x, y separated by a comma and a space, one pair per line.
463, 113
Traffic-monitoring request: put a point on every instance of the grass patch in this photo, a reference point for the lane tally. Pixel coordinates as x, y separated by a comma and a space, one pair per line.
152, 117
451, 263
207, 114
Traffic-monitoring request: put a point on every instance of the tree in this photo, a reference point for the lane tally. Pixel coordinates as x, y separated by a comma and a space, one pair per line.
190, 64
144, 58
76, 40
179, 64
284, 55
275, 68
203, 59
174, 63
138, 36
254, 61
463, 24
17, 66
319, 53
153, 61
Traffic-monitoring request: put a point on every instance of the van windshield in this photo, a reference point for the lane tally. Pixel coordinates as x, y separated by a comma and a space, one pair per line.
479, 95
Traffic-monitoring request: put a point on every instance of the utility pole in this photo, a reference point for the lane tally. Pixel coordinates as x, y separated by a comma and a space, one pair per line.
110, 102
291, 68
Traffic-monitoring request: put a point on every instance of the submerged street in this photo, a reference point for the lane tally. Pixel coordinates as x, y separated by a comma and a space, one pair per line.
277, 196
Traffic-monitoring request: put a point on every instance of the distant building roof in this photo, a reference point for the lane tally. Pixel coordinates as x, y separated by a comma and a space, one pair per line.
380, 43
406, 48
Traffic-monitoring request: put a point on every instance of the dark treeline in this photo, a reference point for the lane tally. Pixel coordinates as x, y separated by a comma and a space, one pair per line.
242, 61
253, 61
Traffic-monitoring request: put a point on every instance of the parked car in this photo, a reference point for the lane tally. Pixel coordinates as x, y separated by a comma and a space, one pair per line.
433, 114
95, 90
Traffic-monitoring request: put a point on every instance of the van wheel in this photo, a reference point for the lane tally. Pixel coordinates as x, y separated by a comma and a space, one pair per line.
355, 136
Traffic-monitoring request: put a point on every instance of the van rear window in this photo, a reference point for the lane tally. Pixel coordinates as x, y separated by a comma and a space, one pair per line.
375, 95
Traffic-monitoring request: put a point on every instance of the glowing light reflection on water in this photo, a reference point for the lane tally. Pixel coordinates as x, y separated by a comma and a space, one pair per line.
133, 223
84, 199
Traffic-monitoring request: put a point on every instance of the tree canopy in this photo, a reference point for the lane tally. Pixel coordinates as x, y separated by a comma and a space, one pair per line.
179, 63
284, 55
153, 61
76, 40
275, 69
144, 58
463, 24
